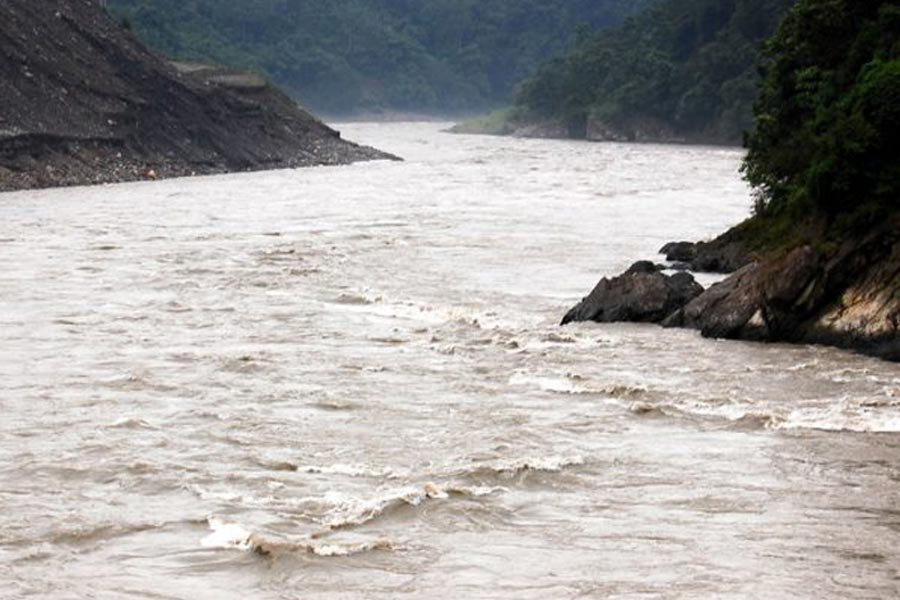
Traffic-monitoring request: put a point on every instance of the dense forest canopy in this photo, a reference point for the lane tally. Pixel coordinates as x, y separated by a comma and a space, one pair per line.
687, 67
342, 56
827, 137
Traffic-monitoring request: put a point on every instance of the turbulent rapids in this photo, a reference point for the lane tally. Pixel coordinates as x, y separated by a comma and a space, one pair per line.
350, 382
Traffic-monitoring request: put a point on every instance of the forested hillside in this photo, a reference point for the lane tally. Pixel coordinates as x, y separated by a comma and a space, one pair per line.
827, 139
684, 69
344, 56
819, 260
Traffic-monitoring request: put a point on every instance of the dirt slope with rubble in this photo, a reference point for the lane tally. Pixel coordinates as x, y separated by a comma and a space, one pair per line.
82, 102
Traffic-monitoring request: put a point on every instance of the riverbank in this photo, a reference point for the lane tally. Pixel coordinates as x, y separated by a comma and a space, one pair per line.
507, 122
85, 103
844, 294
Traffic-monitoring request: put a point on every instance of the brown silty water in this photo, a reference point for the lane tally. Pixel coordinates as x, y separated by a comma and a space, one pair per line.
350, 383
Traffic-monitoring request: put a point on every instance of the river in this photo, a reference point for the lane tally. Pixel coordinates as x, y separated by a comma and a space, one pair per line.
351, 383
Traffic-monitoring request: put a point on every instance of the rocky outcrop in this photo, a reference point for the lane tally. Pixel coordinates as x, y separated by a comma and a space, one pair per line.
643, 293
725, 254
545, 130
683, 252
643, 130
592, 130
847, 297
81, 101
863, 307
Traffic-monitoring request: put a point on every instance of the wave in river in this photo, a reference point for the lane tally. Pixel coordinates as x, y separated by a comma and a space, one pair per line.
851, 415
233, 536
343, 510
576, 385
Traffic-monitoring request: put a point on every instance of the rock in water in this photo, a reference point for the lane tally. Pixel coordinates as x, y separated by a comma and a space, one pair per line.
849, 298
81, 102
725, 254
641, 294
726, 309
683, 252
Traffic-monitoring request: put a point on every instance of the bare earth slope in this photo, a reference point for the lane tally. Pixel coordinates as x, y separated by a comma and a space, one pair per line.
81, 101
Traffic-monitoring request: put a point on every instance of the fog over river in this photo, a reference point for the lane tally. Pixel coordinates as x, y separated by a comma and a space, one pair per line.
351, 383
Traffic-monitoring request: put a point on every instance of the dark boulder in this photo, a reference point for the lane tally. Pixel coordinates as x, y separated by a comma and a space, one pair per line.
759, 302
724, 310
845, 295
849, 298
641, 294
720, 256
726, 254
683, 252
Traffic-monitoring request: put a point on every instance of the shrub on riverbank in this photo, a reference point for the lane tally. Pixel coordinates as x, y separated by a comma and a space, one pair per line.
826, 140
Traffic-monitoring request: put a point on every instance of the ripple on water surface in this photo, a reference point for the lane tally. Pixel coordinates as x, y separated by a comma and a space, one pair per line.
350, 382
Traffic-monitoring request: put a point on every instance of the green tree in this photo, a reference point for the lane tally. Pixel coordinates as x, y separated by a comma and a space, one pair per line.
343, 56
826, 140
688, 66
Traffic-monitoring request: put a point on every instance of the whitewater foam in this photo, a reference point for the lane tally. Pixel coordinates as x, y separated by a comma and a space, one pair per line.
227, 535
574, 384
351, 471
233, 536
342, 510
877, 415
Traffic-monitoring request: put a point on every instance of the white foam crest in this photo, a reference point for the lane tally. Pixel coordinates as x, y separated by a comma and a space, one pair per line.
804, 366
386, 306
348, 549
559, 385
849, 375
555, 339
573, 384
205, 494
844, 417
406, 310
233, 536
227, 535
509, 467
351, 470
862, 415
731, 412
345, 510
551, 464
492, 321
753, 415
349, 510
357, 299
280, 463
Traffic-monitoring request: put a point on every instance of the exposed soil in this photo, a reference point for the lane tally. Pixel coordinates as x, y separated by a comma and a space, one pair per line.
82, 101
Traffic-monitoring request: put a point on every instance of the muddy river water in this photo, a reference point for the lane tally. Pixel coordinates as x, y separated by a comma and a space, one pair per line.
350, 383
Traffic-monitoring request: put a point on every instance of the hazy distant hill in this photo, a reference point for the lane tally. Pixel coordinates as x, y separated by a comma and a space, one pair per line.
684, 69
343, 56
